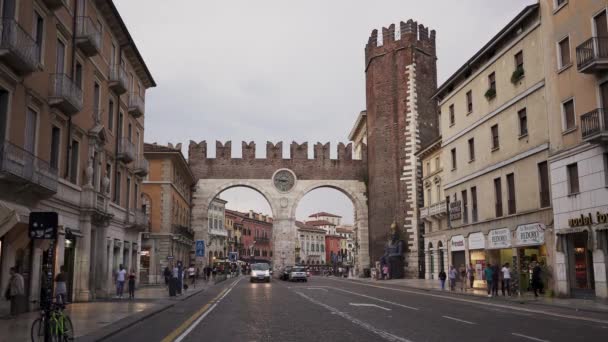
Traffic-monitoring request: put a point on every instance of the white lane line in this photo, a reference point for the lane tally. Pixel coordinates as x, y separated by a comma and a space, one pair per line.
200, 319
529, 337
384, 334
316, 288
459, 320
378, 299
370, 305
476, 302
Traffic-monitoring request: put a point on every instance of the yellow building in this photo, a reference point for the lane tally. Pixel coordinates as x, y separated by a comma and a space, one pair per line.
167, 196
495, 147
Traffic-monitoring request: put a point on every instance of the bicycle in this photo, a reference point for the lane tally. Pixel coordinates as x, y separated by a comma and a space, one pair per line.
60, 327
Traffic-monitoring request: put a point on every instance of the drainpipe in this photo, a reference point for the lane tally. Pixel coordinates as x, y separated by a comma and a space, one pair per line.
69, 135
118, 125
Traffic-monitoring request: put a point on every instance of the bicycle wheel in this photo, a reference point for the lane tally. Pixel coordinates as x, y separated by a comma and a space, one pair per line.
37, 332
68, 329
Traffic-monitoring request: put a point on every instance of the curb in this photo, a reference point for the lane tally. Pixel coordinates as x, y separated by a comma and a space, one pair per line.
515, 301
127, 322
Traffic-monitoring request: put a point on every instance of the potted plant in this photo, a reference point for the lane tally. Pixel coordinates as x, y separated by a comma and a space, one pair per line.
490, 94
518, 73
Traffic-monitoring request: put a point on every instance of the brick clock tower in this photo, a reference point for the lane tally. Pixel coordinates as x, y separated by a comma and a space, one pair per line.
401, 78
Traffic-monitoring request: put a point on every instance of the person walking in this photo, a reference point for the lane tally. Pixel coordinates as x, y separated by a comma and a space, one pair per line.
463, 278
15, 293
385, 272
488, 274
132, 285
452, 273
506, 280
167, 275
536, 279
470, 275
121, 276
173, 283
61, 291
495, 279
192, 275
442, 277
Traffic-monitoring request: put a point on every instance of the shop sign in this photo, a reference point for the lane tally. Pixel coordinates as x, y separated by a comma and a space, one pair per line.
499, 238
587, 220
457, 243
477, 241
530, 234
455, 210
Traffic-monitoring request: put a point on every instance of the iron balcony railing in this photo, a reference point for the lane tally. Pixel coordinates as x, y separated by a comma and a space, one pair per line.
25, 166
142, 218
65, 94
88, 36
126, 150
593, 123
424, 212
136, 105
183, 230
141, 167
118, 79
590, 52
17, 48
436, 209
260, 239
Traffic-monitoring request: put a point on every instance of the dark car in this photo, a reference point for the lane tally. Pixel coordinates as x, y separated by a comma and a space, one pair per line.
285, 273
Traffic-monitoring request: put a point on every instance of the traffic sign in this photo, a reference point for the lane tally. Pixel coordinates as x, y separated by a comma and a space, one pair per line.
43, 225
200, 248
233, 256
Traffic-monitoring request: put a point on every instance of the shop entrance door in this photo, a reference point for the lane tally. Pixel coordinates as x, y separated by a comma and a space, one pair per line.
582, 282
458, 259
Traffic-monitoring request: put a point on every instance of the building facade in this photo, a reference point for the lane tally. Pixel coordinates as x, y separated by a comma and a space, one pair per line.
333, 253
167, 197
433, 211
217, 246
311, 244
575, 44
72, 89
495, 149
347, 244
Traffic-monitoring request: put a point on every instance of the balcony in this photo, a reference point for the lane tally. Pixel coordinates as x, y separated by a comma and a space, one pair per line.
136, 105
65, 95
593, 126
592, 55
262, 240
20, 167
141, 167
17, 48
126, 150
88, 36
139, 219
184, 231
54, 4
118, 81
436, 210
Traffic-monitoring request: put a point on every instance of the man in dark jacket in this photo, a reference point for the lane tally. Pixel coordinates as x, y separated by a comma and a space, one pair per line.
537, 283
495, 278
442, 277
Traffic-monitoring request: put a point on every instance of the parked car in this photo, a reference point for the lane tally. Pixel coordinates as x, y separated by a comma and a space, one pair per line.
285, 273
298, 273
260, 272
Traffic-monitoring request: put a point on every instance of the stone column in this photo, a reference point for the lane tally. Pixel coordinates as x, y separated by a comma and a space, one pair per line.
101, 261
427, 265
283, 242
83, 262
108, 275
126, 256
599, 272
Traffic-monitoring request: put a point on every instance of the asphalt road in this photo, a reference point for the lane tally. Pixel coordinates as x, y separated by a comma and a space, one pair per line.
329, 309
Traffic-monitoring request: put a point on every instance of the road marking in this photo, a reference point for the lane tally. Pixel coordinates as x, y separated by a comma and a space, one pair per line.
378, 299
370, 305
476, 302
185, 328
459, 320
384, 334
315, 288
529, 337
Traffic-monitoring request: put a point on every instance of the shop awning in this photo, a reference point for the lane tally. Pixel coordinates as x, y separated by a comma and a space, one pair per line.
10, 215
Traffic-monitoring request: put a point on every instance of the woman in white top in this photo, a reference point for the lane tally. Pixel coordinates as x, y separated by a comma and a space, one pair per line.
506, 279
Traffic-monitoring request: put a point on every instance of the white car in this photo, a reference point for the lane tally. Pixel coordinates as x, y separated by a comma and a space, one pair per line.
260, 272
298, 273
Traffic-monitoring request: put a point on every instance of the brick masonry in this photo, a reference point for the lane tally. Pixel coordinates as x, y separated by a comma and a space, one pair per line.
401, 77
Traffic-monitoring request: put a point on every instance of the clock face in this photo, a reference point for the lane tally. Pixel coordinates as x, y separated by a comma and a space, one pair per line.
284, 180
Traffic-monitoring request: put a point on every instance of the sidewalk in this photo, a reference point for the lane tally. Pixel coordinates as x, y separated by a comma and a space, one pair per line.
94, 320
596, 305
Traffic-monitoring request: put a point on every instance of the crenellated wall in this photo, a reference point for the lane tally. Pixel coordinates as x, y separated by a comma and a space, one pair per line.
321, 166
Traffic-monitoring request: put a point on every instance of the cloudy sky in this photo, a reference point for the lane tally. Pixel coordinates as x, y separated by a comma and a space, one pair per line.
282, 70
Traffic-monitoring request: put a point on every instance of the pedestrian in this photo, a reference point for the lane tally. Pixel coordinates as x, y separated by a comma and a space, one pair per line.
463, 278
214, 271
180, 278
488, 275
536, 279
15, 293
452, 273
167, 275
442, 277
506, 280
495, 279
385, 272
192, 275
61, 291
471, 275
121, 276
132, 285
207, 272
